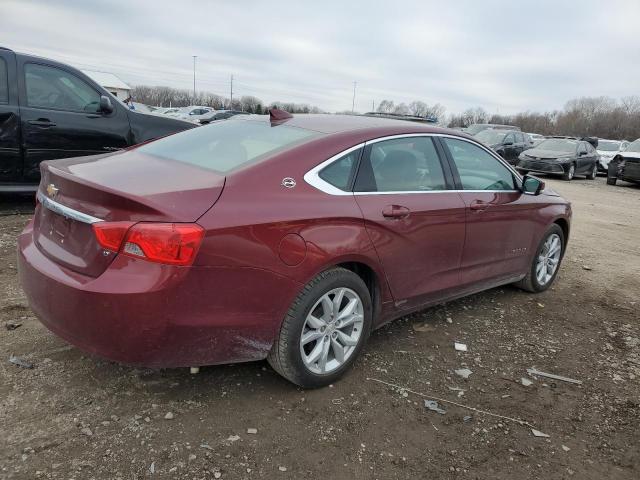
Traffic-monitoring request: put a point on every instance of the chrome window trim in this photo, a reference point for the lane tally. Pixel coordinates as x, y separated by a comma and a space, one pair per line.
312, 177
66, 211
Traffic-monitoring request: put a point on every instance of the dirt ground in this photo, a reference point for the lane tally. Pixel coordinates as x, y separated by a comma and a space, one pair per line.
77, 417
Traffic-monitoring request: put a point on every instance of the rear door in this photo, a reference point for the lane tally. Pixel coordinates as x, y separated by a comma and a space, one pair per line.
500, 218
61, 118
10, 152
590, 158
509, 143
414, 219
581, 158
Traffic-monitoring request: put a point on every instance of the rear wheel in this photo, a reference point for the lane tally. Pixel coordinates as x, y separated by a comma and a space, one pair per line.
568, 175
611, 180
545, 262
324, 330
593, 173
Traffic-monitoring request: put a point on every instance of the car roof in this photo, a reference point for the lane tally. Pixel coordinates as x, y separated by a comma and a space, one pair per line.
334, 124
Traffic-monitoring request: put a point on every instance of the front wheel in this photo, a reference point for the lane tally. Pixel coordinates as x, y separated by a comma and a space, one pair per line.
324, 330
545, 262
568, 175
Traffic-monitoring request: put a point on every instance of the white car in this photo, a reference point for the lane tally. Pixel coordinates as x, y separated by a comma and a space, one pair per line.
608, 149
535, 138
195, 113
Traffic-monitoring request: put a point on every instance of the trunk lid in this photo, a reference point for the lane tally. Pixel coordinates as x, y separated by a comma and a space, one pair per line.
126, 186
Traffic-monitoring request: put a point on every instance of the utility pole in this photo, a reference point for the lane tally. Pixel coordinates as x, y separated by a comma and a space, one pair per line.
194, 78
231, 95
353, 103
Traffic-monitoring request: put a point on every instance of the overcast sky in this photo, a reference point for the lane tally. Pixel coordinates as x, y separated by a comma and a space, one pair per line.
506, 56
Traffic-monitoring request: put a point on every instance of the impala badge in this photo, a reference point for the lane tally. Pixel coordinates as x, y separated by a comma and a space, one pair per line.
52, 191
288, 182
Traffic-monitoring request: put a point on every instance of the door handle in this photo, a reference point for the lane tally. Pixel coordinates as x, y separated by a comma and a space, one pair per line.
42, 122
395, 211
479, 205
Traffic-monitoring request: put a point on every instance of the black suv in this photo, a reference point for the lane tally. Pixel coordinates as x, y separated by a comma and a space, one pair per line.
49, 110
509, 144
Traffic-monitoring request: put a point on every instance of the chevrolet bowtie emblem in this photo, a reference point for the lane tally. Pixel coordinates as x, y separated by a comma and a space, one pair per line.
52, 191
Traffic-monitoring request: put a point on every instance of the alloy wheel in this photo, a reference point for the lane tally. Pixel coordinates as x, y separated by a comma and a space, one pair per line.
332, 330
572, 171
548, 259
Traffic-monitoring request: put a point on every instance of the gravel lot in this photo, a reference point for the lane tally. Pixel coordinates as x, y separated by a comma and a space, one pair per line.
74, 416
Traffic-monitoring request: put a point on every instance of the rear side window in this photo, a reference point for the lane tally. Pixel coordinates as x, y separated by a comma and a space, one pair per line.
226, 146
408, 164
4, 82
53, 88
478, 170
340, 173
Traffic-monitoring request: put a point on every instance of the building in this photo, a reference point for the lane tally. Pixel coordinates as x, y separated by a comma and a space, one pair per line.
110, 82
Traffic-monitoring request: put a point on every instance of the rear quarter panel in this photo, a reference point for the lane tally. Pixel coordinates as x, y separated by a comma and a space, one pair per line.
247, 227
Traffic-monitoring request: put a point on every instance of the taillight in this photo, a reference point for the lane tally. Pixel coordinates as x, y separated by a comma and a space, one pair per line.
170, 243
111, 234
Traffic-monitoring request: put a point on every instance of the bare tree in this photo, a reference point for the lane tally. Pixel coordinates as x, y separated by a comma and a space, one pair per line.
386, 106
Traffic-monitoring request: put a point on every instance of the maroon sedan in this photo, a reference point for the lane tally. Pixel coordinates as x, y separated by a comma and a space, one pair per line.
286, 238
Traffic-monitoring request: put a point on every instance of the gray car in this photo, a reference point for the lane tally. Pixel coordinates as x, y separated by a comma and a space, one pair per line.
565, 156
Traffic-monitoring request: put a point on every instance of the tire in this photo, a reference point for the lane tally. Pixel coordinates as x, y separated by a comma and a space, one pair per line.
611, 180
286, 355
593, 173
530, 282
569, 174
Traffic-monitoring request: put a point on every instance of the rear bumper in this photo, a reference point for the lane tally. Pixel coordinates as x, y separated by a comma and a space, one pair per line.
142, 313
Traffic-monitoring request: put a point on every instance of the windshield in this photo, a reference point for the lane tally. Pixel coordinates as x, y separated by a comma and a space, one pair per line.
634, 146
608, 145
558, 145
491, 137
225, 146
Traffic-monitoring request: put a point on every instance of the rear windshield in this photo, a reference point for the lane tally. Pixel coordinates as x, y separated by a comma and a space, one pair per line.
608, 146
634, 146
228, 145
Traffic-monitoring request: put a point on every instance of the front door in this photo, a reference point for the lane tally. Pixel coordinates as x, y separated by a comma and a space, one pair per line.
10, 153
61, 118
500, 225
416, 224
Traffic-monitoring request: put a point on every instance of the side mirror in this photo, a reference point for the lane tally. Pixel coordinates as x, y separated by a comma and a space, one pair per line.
532, 185
105, 104
507, 144
582, 154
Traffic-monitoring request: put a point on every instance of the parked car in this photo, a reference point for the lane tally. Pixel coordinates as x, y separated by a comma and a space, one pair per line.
535, 138
278, 237
564, 156
509, 144
608, 149
478, 127
172, 112
625, 165
401, 116
195, 114
51, 110
220, 115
